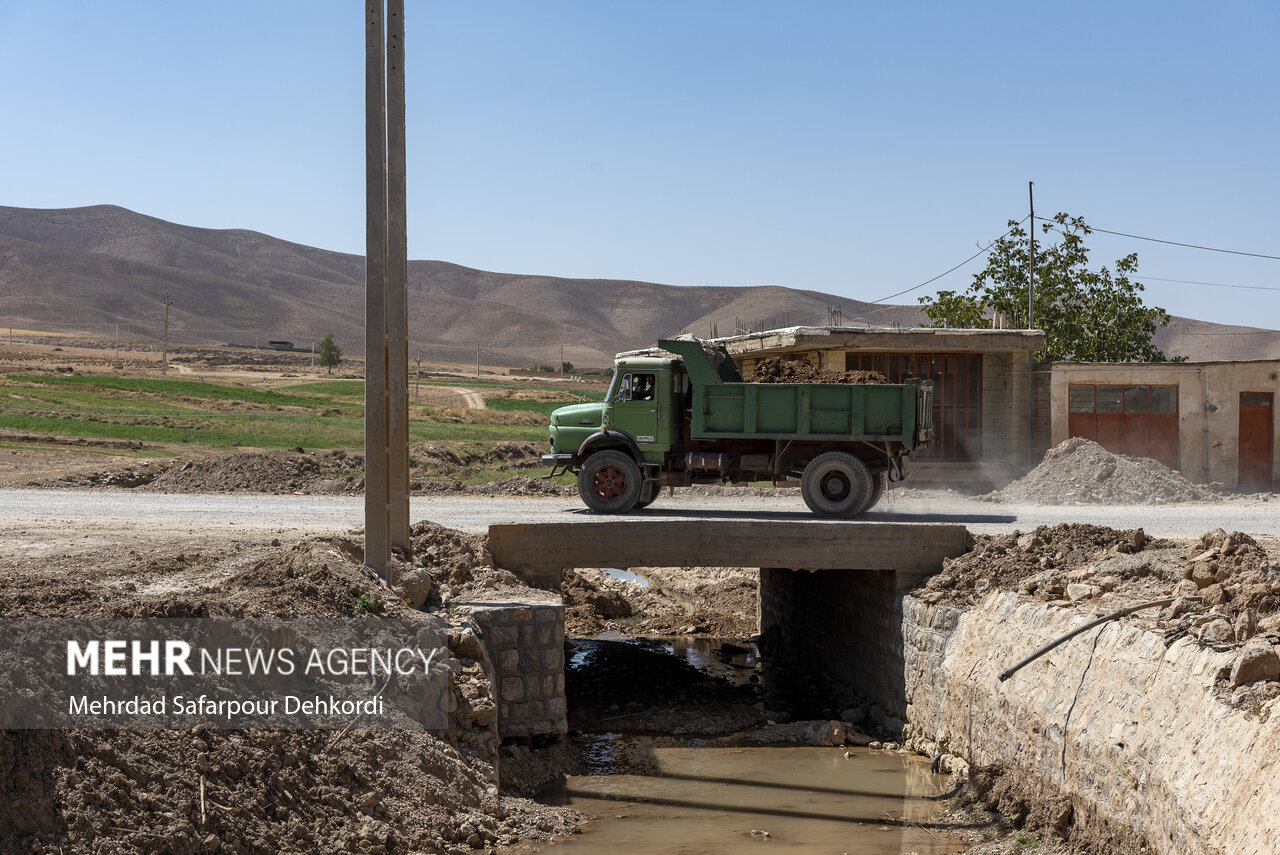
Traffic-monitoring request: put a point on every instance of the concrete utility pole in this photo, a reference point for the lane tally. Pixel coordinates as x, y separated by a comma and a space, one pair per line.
386, 426
417, 378
1031, 324
164, 357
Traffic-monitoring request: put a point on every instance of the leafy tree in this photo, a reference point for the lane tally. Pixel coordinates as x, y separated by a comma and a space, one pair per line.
1086, 315
566, 367
330, 352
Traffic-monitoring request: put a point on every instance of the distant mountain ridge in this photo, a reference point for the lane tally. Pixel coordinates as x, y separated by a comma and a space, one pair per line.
88, 269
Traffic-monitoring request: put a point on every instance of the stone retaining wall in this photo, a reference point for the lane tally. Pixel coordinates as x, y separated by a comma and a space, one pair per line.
1112, 718
525, 642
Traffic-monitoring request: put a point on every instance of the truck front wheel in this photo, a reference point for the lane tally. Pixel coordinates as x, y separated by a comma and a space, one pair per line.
609, 482
836, 484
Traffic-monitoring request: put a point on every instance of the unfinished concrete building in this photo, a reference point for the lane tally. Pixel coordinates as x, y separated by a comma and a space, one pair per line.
1212, 421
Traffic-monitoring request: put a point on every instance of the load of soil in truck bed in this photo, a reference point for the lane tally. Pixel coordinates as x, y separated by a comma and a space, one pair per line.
777, 370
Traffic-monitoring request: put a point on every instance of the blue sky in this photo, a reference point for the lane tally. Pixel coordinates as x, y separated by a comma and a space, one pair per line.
853, 148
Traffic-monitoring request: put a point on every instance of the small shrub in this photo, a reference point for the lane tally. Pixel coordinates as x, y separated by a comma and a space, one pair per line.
306, 564
367, 605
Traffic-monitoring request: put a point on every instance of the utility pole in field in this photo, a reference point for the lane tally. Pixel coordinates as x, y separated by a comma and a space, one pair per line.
117, 359
386, 420
477, 360
417, 378
164, 357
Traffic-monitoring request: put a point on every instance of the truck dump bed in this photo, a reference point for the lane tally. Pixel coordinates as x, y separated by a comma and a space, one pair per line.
893, 413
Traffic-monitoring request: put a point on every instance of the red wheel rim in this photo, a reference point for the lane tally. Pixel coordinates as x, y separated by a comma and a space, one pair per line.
609, 482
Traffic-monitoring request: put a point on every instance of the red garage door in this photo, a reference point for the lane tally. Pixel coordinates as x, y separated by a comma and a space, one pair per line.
1138, 420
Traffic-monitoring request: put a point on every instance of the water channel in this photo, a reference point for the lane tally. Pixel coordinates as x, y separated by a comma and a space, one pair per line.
741, 799
664, 795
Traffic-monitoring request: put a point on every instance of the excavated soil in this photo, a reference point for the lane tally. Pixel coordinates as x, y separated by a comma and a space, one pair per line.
1224, 587
719, 602
778, 370
517, 485
437, 471
1028, 816
1079, 471
265, 791
1225, 593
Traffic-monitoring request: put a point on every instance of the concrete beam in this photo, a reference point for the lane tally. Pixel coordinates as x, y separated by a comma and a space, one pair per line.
726, 543
917, 339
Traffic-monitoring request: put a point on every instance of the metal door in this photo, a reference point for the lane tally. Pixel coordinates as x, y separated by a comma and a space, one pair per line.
1254, 466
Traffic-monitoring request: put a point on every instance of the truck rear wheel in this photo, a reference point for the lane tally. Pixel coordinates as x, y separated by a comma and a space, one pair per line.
609, 482
878, 482
836, 484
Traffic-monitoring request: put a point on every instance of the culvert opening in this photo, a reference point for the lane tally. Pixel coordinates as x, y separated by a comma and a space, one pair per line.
691, 738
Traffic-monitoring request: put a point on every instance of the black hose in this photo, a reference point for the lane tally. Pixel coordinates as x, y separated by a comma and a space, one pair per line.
1011, 670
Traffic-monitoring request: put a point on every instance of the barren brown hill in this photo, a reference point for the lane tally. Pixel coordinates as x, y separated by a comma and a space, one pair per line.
85, 270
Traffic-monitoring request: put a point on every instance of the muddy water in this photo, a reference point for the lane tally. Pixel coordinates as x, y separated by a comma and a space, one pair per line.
722, 658
744, 799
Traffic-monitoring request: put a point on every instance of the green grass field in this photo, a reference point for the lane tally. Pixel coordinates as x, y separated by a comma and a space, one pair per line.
311, 414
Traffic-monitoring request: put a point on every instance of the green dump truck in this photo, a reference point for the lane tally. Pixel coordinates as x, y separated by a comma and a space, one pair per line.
683, 415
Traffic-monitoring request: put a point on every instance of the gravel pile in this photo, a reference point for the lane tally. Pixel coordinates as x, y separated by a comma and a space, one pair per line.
1081, 472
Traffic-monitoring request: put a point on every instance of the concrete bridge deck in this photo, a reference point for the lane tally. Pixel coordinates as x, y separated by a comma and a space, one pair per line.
532, 548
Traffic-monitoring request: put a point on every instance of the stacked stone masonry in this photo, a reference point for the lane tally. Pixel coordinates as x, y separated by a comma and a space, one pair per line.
1112, 718
844, 626
525, 641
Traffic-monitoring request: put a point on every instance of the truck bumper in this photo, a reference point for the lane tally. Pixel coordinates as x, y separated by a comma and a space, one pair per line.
559, 464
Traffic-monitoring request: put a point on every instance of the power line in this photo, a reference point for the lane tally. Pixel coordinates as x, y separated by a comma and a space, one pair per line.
1188, 245
1210, 284
986, 248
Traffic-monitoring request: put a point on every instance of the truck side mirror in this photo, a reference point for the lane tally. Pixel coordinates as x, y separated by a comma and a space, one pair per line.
624, 388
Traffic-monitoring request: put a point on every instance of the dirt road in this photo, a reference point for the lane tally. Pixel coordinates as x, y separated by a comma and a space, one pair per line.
62, 514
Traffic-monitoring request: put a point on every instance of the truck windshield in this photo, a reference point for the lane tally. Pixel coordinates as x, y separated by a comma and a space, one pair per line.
613, 386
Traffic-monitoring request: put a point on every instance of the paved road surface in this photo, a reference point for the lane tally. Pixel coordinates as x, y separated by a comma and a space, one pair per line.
122, 511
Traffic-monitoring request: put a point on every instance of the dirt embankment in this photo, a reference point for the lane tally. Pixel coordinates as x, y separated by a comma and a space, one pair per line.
435, 470
1222, 592
264, 791
778, 370
719, 602
1081, 472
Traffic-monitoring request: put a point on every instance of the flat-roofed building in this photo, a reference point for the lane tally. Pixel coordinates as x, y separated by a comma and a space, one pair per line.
990, 419
1212, 421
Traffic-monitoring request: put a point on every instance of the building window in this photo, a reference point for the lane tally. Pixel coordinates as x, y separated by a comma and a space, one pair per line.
1137, 420
957, 396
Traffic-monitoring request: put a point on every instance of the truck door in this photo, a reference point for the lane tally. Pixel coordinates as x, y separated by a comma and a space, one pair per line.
644, 410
